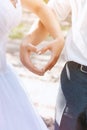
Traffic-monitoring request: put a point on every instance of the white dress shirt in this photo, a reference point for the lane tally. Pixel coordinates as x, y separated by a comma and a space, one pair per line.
76, 42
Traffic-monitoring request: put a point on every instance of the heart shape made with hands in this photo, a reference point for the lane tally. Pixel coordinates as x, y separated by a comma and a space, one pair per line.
40, 60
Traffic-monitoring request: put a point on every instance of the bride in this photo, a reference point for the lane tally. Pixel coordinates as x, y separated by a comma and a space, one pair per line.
16, 111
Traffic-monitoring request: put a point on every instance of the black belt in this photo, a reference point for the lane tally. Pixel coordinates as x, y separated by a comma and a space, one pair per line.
82, 68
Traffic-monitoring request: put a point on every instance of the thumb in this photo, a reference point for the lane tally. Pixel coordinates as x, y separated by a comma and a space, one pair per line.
31, 47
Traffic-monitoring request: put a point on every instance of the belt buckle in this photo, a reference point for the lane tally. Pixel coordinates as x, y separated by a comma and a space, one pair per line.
81, 68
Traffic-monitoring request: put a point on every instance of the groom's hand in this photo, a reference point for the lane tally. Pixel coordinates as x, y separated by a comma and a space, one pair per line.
55, 47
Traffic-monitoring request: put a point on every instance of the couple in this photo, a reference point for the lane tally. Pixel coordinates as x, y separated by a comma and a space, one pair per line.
16, 112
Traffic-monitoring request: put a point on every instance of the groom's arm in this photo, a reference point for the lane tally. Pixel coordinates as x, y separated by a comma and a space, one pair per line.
37, 33
40, 8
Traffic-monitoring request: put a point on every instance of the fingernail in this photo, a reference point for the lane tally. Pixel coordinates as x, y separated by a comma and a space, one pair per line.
39, 52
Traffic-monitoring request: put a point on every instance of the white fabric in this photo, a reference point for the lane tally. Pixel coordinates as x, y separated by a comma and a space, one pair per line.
16, 111
60, 7
60, 105
76, 43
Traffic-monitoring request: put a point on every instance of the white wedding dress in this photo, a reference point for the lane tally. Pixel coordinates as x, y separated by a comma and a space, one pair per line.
16, 111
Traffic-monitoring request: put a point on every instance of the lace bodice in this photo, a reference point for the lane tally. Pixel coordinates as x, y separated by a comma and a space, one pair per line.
9, 18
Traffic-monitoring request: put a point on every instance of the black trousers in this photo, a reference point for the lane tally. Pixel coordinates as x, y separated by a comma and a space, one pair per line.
74, 88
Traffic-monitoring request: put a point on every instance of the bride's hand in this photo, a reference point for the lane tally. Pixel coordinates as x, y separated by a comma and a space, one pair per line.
25, 52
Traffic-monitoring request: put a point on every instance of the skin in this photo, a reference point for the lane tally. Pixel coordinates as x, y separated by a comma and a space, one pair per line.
14, 2
46, 24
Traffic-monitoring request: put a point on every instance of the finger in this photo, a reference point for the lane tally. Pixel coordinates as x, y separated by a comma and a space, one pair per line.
31, 47
29, 65
34, 69
51, 63
43, 50
27, 47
